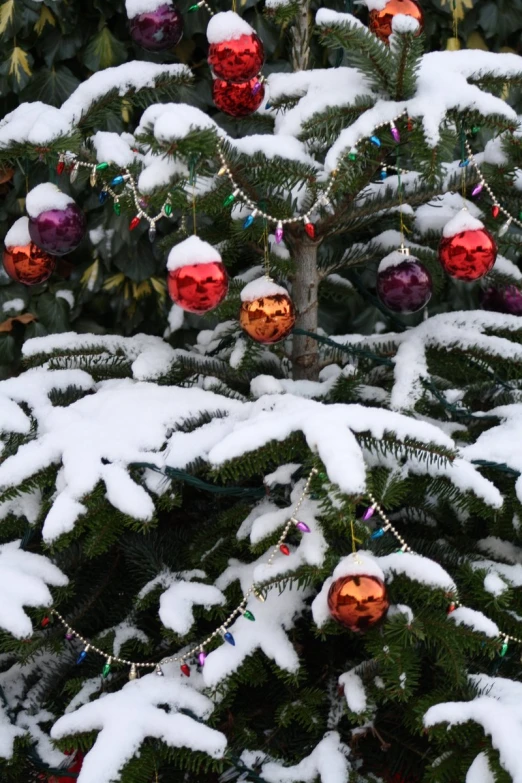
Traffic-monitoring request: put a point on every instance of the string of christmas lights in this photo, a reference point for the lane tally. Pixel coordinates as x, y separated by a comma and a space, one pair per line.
239, 194
107, 190
497, 207
197, 651
388, 527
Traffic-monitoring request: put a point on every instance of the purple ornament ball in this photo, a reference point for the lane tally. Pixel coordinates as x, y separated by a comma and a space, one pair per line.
157, 30
58, 231
507, 299
404, 287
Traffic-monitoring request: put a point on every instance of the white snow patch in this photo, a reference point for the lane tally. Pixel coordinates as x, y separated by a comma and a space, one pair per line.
18, 234
462, 221
260, 288
227, 26
45, 197
191, 251
476, 620
328, 761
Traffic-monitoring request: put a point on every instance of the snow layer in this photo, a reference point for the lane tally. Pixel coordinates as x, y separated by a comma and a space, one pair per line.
480, 771
24, 577
260, 288
279, 146
394, 259
462, 221
113, 148
328, 761
37, 123
176, 604
354, 692
227, 26
137, 7
126, 718
45, 197
18, 234
499, 713
192, 250
476, 620
432, 100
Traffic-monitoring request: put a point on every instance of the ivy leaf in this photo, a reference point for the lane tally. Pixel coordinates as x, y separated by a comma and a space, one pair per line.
6, 15
52, 86
18, 68
46, 17
104, 51
53, 313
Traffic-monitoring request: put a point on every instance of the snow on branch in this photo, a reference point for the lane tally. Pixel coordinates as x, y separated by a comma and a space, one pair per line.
328, 761
24, 577
499, 713
466, 331
38, 123
97, 437
126, 718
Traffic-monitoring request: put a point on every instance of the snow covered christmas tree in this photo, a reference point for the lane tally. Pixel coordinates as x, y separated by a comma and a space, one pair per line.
280, 542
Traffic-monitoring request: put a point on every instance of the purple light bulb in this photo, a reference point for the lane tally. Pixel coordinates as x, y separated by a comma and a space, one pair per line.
477, 190
303, 527
202, 656
395, 133
69, 636
256, 88
368, 514
279, 233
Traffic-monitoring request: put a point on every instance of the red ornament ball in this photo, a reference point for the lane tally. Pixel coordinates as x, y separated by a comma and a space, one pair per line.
404, 287
507, 299
157, 30
468, 255
239, 99
358, 601
268, 319
238, 59
28, 264
198, 288
381, 21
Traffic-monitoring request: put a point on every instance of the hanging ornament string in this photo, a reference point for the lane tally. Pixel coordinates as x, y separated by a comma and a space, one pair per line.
388, 527
197, 651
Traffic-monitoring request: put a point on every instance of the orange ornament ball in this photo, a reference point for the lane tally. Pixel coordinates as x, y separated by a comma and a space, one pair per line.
358, 601
28, 264
268, 317
381, 21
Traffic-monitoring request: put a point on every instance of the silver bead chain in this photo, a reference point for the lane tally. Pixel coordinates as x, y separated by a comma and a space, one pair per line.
404, 547
254, 589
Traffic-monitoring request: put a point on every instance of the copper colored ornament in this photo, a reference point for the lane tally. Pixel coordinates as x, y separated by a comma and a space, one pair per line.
469, 255
381, 21
28, 264
237, 60
198, 288
358, 601
239, 99
268, 319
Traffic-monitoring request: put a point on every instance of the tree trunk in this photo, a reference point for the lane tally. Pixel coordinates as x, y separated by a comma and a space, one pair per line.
301, 38
305, 284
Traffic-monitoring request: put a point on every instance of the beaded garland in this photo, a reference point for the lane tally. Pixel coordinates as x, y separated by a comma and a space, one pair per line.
388, 527
239, 194
198, 650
